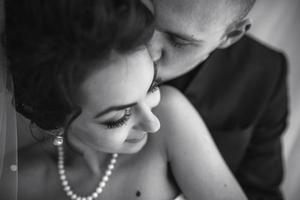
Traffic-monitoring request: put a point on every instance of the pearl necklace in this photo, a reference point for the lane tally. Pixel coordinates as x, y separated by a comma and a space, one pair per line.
65, 183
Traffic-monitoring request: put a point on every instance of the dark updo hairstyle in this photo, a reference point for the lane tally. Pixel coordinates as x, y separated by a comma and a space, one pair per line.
51, 45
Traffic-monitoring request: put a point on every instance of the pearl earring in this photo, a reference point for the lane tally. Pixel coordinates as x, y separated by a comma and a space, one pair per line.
58, 141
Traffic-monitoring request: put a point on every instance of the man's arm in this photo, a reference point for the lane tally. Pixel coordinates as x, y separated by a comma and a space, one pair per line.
261, 170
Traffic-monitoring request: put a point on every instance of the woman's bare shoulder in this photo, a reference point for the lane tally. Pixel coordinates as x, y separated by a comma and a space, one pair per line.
172, 108
191, 151
180, 121
176, 113
174, 102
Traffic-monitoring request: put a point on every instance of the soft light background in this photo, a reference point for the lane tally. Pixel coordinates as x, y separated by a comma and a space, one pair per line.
277, 22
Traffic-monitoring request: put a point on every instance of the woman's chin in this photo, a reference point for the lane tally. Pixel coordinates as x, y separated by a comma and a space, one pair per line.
134, 146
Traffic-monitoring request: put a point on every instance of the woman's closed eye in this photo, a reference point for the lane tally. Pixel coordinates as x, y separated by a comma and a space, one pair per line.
154, 87
120, 121
116, 123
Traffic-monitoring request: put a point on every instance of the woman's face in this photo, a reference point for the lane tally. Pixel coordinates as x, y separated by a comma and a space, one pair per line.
117, 99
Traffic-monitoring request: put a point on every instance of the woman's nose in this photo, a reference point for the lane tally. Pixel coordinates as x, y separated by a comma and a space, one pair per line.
148, 122
155, 46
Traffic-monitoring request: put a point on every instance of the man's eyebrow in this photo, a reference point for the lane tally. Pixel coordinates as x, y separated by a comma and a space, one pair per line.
122, 107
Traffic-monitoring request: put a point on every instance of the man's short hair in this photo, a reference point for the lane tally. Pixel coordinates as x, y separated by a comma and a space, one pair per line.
242, 7
232, 11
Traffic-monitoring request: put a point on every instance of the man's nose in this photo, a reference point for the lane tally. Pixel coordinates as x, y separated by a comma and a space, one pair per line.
148, 122
155, 46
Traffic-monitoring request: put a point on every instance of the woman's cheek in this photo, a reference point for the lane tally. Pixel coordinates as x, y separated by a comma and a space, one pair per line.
104, 137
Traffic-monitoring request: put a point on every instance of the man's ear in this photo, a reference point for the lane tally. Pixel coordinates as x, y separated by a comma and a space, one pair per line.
235, 32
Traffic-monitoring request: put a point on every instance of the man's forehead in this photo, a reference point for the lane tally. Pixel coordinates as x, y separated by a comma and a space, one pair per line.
205, 15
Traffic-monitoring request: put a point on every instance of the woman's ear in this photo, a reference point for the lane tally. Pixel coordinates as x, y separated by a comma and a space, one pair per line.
235, 32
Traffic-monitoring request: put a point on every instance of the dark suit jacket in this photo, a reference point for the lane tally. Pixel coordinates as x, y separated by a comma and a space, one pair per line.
241, 93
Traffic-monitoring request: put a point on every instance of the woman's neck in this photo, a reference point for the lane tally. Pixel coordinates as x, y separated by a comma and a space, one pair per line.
78, 152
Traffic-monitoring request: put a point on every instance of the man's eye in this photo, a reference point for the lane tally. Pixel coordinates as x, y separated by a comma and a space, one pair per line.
178, 43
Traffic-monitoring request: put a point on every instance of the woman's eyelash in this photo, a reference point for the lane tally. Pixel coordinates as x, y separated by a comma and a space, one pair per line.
120, 122
154, 87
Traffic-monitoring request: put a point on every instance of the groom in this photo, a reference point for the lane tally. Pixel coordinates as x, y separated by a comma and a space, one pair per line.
237, 84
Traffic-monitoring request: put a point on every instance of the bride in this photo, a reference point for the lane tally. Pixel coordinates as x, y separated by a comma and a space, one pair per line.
83, 76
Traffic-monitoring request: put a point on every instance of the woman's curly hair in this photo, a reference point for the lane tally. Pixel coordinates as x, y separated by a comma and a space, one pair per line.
51, 45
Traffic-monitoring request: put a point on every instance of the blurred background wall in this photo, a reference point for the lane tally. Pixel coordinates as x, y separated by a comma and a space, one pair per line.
277, 23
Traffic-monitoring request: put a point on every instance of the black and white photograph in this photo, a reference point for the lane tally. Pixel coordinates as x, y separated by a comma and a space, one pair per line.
149, 100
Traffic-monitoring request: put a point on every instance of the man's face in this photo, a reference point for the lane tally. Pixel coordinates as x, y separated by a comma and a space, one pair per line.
187, 32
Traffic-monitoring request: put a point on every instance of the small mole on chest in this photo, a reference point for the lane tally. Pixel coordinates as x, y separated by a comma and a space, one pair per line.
138, 193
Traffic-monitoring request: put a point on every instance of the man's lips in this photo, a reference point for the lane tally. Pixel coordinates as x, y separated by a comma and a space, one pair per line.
136, 139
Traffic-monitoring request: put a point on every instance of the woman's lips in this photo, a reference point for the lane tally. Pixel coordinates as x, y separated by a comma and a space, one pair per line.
137, 139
